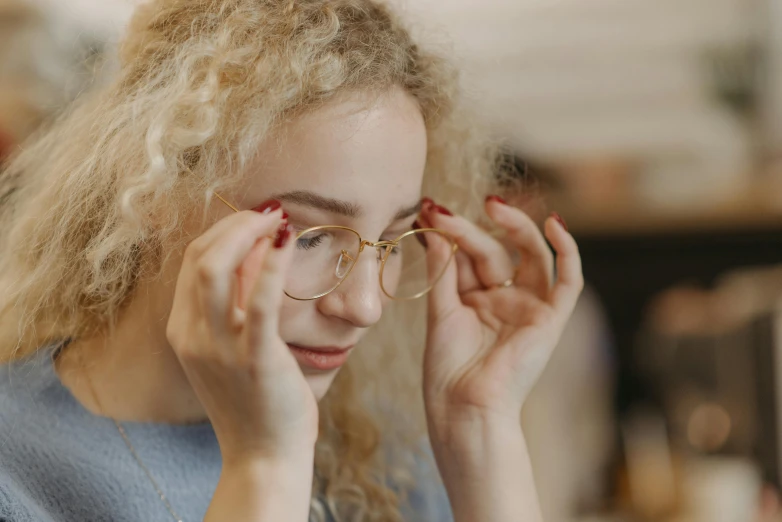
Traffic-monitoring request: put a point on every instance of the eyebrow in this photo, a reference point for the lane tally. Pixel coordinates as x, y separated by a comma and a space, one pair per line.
338, 206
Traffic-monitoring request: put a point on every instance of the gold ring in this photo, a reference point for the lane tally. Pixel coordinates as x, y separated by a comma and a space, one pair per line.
504, 284
508, 282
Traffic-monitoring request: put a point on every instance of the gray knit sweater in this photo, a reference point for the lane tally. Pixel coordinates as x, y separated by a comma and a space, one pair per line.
59, 462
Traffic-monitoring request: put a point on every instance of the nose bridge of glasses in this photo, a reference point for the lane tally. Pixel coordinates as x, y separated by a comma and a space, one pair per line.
382, 248
347, 261
376, 244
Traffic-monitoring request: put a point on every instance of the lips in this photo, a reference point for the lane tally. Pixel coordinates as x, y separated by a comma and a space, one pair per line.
320, 357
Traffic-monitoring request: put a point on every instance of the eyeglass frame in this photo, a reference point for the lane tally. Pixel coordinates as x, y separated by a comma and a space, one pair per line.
363, 243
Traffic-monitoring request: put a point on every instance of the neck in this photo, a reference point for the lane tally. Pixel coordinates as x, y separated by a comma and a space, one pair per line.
133, 370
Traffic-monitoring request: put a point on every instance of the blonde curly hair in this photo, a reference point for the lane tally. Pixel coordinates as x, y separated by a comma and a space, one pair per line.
93, 206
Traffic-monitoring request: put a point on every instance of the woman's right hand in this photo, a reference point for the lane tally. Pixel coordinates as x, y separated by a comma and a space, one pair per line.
248, 382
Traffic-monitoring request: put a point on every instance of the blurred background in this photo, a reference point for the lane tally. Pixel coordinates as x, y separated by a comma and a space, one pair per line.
655, 128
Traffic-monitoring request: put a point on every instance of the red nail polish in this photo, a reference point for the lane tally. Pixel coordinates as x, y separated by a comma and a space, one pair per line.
420, 237
496, 198
284, 215
560, 220
268, 206
427, 204
283, 235
442, 210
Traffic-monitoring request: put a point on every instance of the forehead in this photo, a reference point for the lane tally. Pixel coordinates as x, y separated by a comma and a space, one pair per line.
369, 149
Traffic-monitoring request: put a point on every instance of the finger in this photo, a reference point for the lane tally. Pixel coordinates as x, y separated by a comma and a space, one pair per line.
248, 273
187, 300
467, 280
570, 278
263, 305
186, 296
538, 267
443, 298
466, 276
214, 271
490, 259
203, 242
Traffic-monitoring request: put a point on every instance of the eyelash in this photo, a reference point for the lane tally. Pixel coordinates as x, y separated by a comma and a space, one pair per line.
308, 243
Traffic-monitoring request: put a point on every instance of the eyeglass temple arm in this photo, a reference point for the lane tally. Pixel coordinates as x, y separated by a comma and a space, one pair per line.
221, 198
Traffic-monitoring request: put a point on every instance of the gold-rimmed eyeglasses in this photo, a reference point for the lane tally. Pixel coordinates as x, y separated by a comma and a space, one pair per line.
325, 255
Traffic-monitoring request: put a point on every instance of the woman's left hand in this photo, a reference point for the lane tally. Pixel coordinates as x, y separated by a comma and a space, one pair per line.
487, 344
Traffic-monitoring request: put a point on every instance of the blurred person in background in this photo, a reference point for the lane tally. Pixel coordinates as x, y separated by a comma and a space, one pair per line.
182, 283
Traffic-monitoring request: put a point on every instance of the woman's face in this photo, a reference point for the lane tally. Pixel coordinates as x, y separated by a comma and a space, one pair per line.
355, 164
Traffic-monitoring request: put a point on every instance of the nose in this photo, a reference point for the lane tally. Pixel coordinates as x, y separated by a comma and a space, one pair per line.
359, 299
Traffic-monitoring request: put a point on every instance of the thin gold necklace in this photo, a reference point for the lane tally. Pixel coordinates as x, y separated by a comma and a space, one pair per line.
129, 445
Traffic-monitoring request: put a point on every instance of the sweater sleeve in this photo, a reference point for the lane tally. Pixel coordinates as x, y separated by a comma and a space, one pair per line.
428, 500
15, 505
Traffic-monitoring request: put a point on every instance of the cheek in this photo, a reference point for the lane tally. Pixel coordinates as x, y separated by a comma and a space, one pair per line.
297, 320
291, 310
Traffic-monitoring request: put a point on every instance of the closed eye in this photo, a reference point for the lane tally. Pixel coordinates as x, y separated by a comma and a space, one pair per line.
307, 243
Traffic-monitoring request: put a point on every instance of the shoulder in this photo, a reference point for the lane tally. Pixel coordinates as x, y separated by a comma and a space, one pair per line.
16, 504
26, 416
30, 397
23, 378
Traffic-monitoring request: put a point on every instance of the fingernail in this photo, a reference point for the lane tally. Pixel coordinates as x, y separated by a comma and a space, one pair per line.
427, 203
441, 210
284, 215
496, 198
268, 206
283, 235
420, 237
560, 220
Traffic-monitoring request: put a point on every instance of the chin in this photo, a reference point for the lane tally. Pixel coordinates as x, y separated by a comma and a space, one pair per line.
320, 382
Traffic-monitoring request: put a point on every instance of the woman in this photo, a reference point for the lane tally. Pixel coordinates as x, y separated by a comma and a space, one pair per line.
184, 275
